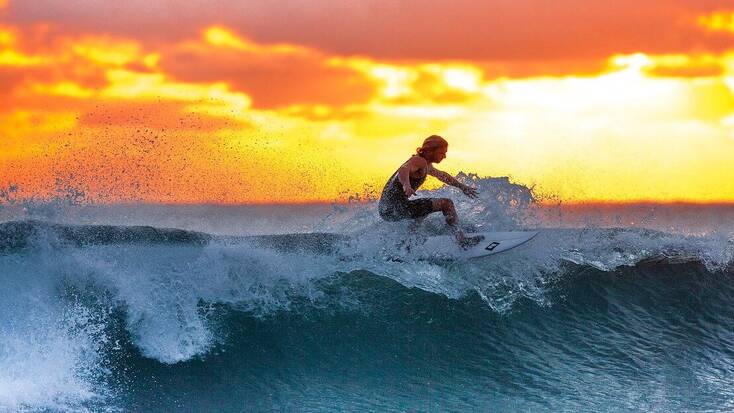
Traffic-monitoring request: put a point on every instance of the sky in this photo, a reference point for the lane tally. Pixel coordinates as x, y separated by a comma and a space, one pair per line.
322, 100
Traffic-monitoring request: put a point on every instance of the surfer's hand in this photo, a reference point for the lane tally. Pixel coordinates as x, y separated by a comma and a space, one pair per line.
409, 191
469, 191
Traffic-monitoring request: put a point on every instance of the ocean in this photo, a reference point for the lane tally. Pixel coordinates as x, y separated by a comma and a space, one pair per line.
324, 308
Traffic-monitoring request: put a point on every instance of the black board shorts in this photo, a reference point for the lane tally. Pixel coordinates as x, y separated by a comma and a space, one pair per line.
414, 208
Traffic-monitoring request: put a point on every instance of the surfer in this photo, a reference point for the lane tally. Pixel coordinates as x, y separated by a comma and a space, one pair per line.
395, 204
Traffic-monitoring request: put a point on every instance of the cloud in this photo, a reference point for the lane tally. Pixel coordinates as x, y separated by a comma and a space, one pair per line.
712, 70
412, 29
42, 70
273, 76
36, 56
703, 67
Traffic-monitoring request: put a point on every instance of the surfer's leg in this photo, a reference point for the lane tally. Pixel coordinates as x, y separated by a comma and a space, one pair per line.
446, 206
420, 208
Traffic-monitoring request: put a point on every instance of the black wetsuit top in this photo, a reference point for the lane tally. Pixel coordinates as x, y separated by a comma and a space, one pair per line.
394, 204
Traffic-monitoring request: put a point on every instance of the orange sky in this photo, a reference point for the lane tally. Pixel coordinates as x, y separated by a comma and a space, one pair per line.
262, 101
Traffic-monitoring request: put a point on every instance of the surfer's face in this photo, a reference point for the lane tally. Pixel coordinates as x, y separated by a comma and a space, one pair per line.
438, 154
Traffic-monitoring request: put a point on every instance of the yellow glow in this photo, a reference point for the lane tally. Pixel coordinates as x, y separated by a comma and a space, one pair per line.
619, 136
20, 122
729, 123
633, 62
463, 79
718, 21
13, 58
679, 60
223, 103
7, 37
18, 125
400, 81
397, 81
221, 36
151, 60
466, 78
102, 51
68, 89
421, 111
130, 85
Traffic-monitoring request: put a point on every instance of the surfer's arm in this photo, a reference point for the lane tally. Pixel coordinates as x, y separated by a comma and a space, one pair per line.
404, 175
450, 180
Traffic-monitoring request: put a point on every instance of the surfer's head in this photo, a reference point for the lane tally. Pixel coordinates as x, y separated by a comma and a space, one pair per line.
433, 149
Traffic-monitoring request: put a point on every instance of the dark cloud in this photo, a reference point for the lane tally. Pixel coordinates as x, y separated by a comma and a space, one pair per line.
9, 81
271, 80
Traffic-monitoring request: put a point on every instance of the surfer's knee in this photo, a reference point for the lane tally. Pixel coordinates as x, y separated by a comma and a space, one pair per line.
446, 206
442, 204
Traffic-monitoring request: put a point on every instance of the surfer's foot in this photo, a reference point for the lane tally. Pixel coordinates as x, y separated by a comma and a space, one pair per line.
469, 242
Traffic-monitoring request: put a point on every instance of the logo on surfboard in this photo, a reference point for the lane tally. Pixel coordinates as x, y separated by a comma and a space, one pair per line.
492, 246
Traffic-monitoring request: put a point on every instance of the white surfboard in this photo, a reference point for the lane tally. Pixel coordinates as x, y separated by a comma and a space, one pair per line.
493, 243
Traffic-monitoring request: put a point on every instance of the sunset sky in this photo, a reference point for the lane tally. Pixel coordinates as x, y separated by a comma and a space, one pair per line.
297, 101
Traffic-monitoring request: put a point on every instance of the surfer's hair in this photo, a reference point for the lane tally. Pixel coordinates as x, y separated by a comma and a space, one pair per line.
431, 142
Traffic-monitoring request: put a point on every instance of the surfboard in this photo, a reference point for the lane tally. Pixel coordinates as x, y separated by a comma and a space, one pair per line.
493, 243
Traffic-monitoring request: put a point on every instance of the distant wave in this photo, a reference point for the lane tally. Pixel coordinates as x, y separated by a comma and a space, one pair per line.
18, 235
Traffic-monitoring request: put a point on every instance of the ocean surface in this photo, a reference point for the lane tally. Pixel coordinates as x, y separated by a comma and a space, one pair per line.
323, 308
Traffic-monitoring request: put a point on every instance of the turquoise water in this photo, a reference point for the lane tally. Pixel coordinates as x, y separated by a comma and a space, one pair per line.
111, 318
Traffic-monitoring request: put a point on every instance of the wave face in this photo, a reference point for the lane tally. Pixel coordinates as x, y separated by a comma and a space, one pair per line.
352, 317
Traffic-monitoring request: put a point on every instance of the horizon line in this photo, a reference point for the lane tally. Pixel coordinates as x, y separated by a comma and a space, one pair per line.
543, 203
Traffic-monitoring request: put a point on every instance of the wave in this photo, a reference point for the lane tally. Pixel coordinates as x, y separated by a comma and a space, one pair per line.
114, 317
94, 348
19, 235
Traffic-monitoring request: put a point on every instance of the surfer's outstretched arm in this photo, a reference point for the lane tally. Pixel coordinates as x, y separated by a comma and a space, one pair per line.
450, 180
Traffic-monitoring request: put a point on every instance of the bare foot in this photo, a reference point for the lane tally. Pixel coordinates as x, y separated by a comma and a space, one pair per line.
469, 242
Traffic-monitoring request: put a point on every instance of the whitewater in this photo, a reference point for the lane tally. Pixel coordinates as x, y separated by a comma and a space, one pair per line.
324, 308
